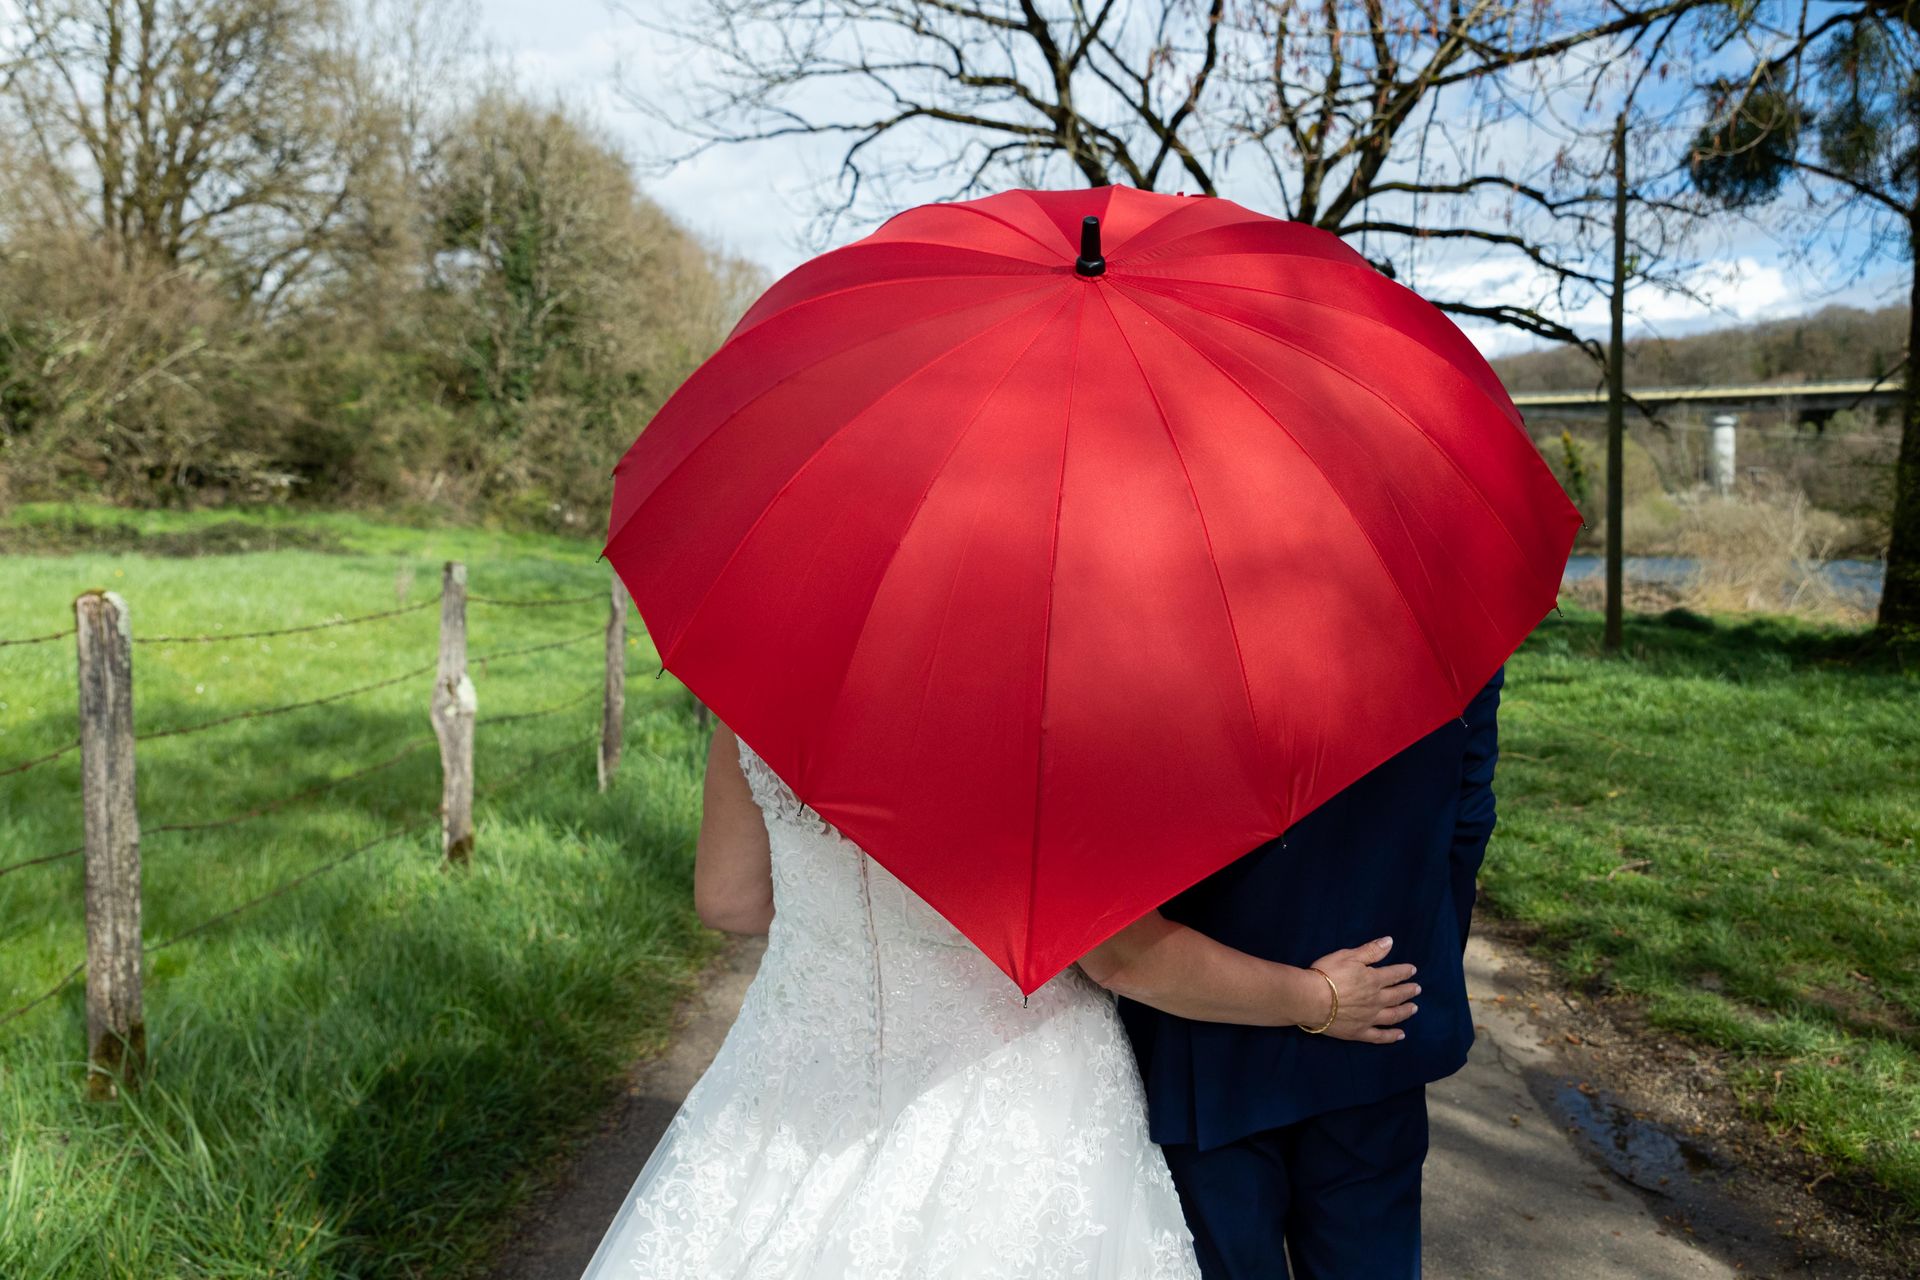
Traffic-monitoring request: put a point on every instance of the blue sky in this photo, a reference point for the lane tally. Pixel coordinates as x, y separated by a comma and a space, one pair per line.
753, 200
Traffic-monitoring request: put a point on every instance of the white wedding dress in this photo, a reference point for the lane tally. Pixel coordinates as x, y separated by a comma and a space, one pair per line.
885, 1106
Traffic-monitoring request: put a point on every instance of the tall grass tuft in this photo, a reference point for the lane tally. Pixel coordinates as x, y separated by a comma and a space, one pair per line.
1760, 552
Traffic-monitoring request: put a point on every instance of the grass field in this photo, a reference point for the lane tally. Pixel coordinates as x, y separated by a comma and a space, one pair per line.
356, 1078
360, 1076
1724, 822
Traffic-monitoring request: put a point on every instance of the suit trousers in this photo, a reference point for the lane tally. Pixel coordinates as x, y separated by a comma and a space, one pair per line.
1337, 1194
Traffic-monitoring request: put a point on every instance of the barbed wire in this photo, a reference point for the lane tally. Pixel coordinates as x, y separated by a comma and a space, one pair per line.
56, 635
37, 761
289, 885
544, 711
535, 763
320, 789
259, 713
485, 658
502, 603
248, 815
313, 872
45, 996
262, 712
424, 740
24, 863
217, 637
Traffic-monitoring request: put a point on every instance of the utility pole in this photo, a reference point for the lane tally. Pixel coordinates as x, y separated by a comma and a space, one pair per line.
1617, 388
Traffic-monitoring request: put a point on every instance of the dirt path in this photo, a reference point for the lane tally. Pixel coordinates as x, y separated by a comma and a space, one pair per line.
1531, 1175
564, 1226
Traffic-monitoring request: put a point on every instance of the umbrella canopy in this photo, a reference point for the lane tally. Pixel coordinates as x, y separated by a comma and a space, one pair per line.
1058, 575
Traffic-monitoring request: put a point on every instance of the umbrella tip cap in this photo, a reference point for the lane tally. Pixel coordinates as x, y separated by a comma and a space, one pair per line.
1090, 263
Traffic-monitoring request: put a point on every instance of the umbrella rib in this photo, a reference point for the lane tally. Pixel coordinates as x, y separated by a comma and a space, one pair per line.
1019, 231
1252, 219
1397, 411
756, 398
1046, 639
1154, 250
1226, 605
1035, 269
1433, 649
821, 448
1145, 278
880, 583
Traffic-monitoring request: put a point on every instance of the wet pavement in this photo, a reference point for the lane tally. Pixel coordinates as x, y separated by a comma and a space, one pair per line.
1537, 1171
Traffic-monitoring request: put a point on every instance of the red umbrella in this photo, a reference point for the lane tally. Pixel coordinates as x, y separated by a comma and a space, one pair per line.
1056, 581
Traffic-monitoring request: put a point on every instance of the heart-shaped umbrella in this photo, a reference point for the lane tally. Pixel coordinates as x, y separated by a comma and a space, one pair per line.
1058, 564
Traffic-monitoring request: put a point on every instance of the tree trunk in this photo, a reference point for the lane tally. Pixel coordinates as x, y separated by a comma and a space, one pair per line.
1617, 395
1900, 603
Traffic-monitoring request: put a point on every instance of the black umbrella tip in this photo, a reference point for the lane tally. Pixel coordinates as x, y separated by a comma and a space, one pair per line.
1090, 263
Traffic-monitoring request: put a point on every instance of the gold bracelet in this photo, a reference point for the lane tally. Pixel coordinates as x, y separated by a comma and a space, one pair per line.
1331, 1013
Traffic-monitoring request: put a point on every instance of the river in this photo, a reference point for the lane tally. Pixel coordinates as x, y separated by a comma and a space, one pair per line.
1855, 581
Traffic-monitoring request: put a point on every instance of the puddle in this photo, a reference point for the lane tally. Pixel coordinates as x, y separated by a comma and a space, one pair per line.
1643, 1152
1692, 1182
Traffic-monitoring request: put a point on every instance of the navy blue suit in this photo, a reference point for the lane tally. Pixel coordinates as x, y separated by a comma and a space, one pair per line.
1271, 1132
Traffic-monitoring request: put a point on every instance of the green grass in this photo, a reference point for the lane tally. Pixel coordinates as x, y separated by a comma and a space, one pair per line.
360, 1077
357, 1078
1723, 821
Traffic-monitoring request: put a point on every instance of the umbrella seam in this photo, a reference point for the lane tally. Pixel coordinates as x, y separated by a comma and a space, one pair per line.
1046, 640
1155, 251
821, 448
1508, 410
1256, 218
1036, 270
1226, 605
757, 396
1433, 650
880, 583
1066, 245
1398, 412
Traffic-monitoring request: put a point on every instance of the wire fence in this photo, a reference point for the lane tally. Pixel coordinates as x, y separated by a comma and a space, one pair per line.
108, 746
531, 604
219, 637
49, 638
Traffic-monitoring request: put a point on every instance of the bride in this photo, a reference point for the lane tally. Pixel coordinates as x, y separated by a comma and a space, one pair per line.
886, 1103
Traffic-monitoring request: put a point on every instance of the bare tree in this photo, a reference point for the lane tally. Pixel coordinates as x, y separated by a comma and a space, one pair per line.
1828, 103
1415, 130
220, 132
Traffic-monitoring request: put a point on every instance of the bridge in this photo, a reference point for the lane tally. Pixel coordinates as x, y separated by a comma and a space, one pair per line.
1811, 403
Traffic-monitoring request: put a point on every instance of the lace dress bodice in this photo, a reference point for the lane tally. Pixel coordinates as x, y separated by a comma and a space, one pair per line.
887, 1104
872, 944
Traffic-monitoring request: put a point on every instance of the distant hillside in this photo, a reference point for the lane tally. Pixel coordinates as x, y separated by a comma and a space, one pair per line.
1834, 342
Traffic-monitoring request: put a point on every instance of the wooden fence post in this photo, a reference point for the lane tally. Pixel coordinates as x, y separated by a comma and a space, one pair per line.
454, 707
116, 1028
613, 711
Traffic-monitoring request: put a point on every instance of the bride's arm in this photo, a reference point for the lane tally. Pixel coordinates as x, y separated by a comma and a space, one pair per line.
1184, 972
732, 866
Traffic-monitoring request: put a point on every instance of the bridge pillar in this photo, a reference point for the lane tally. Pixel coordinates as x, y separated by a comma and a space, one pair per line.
1721, 457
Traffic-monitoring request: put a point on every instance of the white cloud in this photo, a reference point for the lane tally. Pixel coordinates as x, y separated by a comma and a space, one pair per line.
754, 199
1737, 290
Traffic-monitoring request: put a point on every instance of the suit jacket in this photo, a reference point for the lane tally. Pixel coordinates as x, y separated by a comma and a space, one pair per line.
1395, 853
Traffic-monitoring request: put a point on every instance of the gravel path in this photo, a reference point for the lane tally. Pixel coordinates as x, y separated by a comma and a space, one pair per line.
1528, 1176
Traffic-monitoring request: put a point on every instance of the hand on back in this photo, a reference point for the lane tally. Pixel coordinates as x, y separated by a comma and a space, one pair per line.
1374, 997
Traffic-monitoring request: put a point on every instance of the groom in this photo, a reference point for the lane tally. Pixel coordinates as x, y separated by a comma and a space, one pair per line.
1286, 1145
